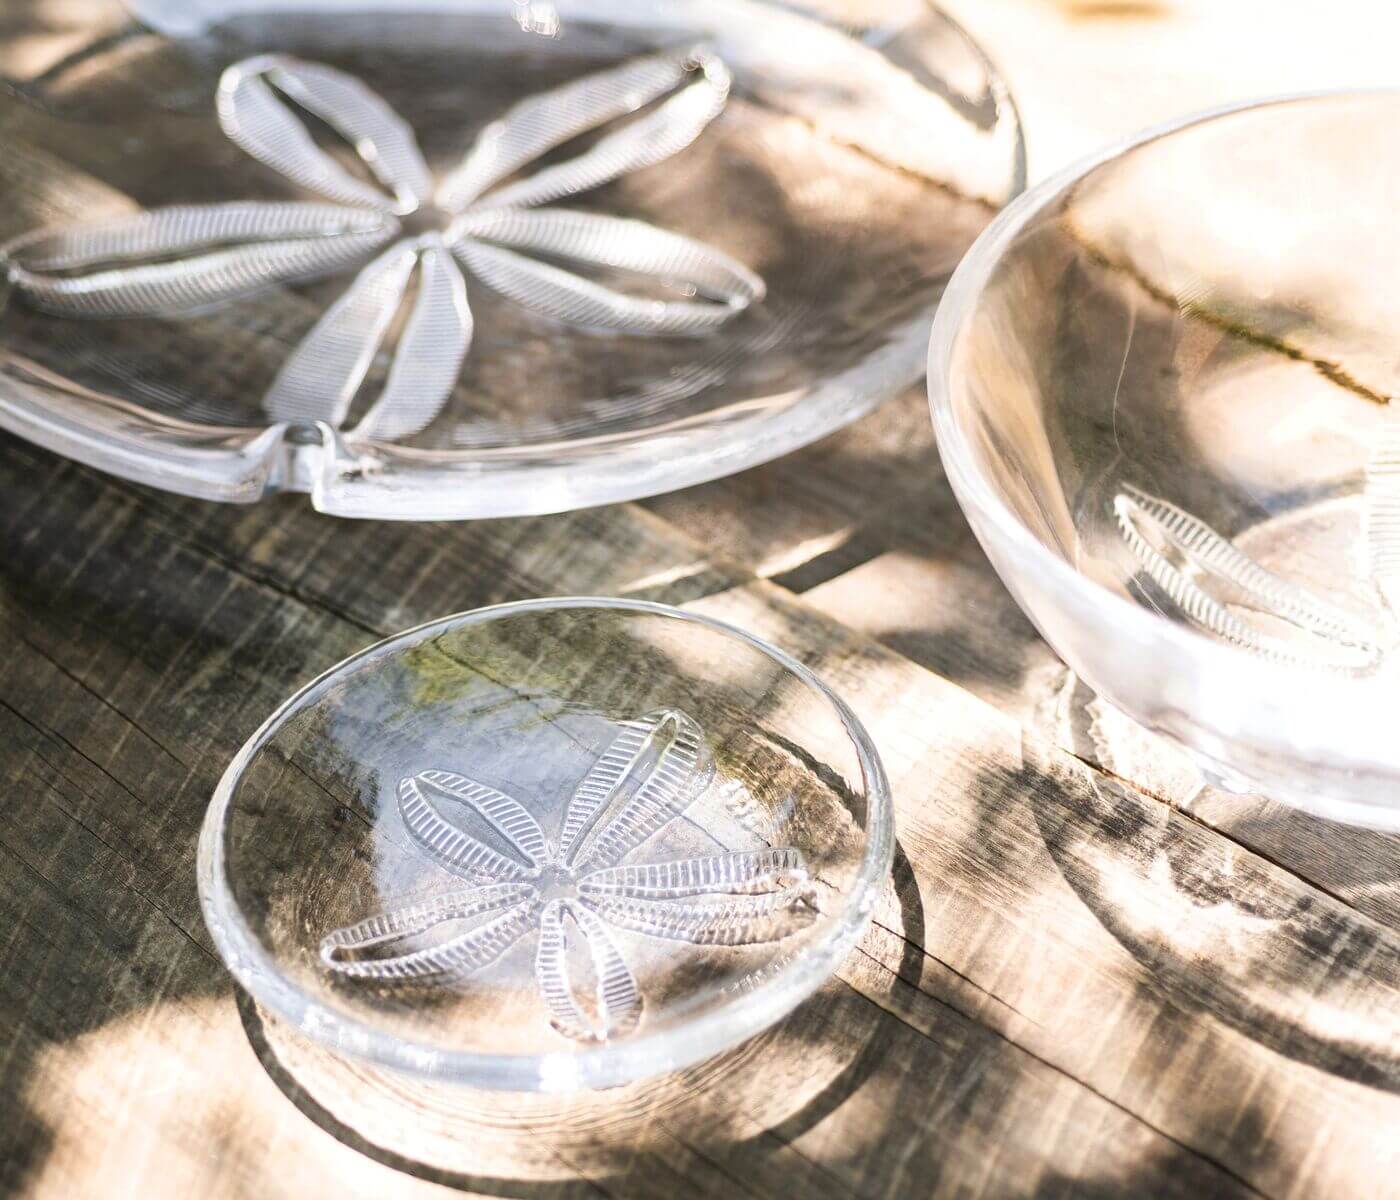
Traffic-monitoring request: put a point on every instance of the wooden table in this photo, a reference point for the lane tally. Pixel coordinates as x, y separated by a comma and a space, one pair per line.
1088, 977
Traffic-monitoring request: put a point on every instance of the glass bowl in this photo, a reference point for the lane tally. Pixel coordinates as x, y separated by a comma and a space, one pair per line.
1162, 386
469, 258
547, 846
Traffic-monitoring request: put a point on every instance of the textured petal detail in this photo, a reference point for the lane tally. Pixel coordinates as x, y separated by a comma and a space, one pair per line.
622, 244
523, 844
1382, 513
280, 243
1147, 522
739, 872
184, 229
714, 920
428, 358
320, 378
617, 1003
546, 289
540, 123
256, 118
649, 775
517, 905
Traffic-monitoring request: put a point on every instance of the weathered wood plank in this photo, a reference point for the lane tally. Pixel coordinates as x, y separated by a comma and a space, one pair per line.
1197, 984
1026, 872
818, 512
122, 982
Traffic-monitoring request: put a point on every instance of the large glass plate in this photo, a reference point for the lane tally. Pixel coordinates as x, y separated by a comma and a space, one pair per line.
461, 258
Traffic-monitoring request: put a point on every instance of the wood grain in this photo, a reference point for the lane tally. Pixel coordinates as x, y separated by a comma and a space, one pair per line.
113, 976
1088, 977
1098, 940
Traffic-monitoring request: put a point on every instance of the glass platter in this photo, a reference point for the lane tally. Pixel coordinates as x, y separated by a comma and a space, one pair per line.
468, 258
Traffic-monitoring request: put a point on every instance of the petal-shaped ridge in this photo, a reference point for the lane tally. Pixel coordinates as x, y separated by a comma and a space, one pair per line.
622, 244
540, 123
738, 872
429, 354
258, 119
612, 1006
502, 915
648, 776
546, 289
184, 229
714, 920
519, 847
319, 380
1183, 555
179, 260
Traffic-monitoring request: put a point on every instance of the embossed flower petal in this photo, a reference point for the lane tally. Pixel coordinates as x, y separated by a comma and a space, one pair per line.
542, 122
1382, 513
258, 119
321, 376
714, 920
505, 822
1147, 523
429, 355
503, 915
565, 297
738, 872
206, 254
622, 244
619, 777
615, 1004
650, 774
184, 229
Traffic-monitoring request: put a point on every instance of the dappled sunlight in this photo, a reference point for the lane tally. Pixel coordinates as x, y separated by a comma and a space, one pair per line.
182, 1083
1095, 927
1089, 972
1150, 902
663, 578
1284, 267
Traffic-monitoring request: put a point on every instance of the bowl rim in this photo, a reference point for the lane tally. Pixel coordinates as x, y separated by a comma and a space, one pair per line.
1345, 743
600, 1066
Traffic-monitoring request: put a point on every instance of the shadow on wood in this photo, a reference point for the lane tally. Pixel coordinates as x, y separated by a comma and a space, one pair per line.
739, 1109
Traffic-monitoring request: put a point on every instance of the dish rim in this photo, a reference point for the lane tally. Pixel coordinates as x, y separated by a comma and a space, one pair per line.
606, 1065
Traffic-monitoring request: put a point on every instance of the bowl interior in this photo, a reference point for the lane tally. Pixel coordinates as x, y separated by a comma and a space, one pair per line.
1178, 377
547, 833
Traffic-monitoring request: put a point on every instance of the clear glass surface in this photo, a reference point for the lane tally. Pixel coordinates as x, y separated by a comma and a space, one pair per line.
547, 846
1162, 384
481, 257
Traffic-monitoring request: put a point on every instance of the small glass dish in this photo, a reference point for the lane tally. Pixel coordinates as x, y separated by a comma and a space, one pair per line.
482, 258
548, 846
1162, 384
